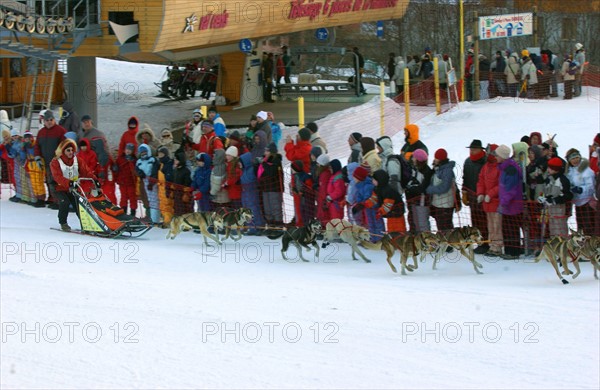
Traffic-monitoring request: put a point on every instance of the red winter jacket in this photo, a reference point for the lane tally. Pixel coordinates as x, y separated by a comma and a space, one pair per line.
299, 151
322, 214
488, 184
126, 176
89, 156
234, 187
208, 143
62, 183
128, 137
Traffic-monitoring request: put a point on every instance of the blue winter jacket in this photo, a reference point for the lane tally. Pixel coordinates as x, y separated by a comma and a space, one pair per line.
201, 178
248, 173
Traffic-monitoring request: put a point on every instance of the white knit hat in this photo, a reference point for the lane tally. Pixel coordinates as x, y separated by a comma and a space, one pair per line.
262, 115
323, 160
503, 152
231, 151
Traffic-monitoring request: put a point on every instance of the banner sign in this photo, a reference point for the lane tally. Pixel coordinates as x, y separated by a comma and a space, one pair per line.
502, 26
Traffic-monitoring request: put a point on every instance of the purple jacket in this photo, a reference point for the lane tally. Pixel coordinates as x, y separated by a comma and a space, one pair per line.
511, 188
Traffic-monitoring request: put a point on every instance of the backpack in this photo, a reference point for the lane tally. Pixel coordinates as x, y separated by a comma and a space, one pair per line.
572, 68
405, 169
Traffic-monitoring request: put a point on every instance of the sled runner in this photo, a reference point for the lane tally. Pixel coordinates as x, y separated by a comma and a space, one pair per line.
99, 217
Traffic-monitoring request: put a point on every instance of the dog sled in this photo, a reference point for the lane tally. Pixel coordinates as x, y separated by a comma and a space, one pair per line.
100, 217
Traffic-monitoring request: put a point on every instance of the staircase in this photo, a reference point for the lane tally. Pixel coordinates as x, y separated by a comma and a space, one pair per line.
62, 26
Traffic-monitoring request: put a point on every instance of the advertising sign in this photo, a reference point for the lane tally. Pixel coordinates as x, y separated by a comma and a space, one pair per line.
503, 26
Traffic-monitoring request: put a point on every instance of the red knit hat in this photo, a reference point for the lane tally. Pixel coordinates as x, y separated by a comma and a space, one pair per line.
555, 163
360, 173
440, 154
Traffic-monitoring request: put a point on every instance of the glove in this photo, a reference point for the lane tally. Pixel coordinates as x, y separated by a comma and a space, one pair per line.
97, 183
541, 199
73, 183
465, 198
38, 161
487, 199
358, 208
197, 195
328, 198
101, 175
576, 190
115, 168
479, 198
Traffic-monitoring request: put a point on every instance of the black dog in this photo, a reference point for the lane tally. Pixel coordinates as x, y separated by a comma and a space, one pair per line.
300, 237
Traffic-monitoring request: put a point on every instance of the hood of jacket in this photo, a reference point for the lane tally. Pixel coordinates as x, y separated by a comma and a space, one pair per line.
521, 148
63, 145
413, 133
386, 145
382, 178
137, 124
205, 157
86, 142
351, 168
145, 148
145, 130
246, 160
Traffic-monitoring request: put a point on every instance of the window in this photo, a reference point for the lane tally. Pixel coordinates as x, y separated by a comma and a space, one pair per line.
569, 28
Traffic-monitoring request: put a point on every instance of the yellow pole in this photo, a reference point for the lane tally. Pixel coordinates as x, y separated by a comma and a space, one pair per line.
462, 51
406, 96
381, 108
301, 112
203, 111
436, 79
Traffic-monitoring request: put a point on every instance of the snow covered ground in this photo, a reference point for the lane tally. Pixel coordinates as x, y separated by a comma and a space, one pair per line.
84, 312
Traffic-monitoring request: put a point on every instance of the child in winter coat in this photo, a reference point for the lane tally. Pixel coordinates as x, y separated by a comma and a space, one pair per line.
201, 182
165, 179
336, 191
234, 174
147, 169
86, 154
362, 191
270, 184
387, 202
126, 178
182, 180
250, 195
322, 177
